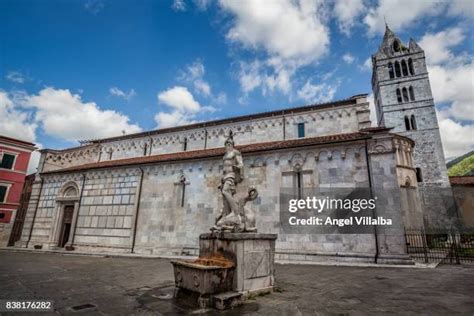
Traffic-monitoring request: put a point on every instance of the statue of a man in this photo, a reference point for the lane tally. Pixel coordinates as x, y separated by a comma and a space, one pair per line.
233, 216
232, 175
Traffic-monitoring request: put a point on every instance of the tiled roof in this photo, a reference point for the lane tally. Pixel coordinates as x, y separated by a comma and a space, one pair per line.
215, 152
16, 141
462, 180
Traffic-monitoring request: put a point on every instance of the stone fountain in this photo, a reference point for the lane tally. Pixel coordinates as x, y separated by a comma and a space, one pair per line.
235, 261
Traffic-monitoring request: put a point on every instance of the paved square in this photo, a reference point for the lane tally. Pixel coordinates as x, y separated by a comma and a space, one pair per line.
119, 286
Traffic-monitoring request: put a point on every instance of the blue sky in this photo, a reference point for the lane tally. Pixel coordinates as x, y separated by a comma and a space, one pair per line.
72, 70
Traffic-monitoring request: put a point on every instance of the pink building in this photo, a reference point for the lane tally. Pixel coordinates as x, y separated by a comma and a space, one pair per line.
14, 158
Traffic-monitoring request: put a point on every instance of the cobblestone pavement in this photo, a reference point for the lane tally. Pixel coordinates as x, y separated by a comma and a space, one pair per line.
120, 286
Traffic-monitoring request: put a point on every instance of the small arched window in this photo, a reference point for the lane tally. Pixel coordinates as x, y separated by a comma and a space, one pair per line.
410, 66
396, 46
412, 93
419, 176
399, 96
390, 70
407, 123
397, 69
404, 68
413, 122
405, 95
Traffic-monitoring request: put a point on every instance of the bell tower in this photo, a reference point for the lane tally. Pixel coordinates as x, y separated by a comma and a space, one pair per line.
404, 101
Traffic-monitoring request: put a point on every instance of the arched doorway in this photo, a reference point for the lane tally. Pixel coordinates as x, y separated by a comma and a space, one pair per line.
67, 205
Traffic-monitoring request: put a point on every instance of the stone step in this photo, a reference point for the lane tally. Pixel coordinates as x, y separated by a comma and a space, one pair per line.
227, 300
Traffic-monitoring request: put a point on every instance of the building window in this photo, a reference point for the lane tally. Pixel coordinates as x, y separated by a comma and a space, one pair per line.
413, 122
396, 46
397, 69
390, 71
410, 66
419, 176
412, 93
404, 68
185, 144
399, 96
3, 193
2, 215
8, 160
407, 123
299, 184
300, 130
145, 149
405, 95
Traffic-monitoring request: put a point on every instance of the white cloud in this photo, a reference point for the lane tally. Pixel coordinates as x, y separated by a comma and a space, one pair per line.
462, 8
180, 99
221, 98
179, 5
14, 122
346, 12
292, 34
194, 74
451, 76
183, 105
64, 115
171, 119
15, 76
437, 45
317, 93
367, 65
202, 4
94, 6
373, 112
399, 14
348, 58
457, 138
114, 91
34, 161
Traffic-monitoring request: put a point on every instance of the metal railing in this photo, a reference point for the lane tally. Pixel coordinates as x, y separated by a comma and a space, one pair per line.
449, 247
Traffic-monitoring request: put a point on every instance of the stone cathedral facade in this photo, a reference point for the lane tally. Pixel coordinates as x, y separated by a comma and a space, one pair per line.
155, 192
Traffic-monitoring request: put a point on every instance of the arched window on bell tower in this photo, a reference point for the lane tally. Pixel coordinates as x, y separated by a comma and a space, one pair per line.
410, 66
390, 70
412, 93
407, 123
405, 95
413, 122
397, 69
404, 68
399, 96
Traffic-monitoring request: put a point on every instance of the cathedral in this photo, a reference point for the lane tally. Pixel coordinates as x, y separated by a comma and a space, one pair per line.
154, 192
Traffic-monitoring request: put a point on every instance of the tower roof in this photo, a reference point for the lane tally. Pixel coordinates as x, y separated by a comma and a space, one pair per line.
392, 45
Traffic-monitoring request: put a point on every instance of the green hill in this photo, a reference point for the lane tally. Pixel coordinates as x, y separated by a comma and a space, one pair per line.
462, 166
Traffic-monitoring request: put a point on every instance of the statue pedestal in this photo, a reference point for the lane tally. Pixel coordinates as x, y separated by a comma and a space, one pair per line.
252, 254
230, 268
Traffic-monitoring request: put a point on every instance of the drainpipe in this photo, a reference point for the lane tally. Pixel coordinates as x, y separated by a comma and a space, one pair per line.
139, 194
78, 209
369, 175
34, 214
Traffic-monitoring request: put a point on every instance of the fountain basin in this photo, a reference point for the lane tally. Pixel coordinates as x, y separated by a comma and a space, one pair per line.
204, 275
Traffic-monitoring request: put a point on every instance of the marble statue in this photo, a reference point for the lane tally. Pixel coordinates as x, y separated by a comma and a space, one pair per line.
234, 216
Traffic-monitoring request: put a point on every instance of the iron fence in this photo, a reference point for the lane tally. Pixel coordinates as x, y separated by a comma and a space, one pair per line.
453, 248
